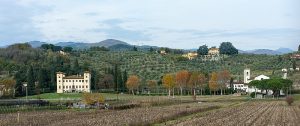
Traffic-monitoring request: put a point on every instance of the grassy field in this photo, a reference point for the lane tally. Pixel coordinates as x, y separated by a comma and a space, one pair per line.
111, 96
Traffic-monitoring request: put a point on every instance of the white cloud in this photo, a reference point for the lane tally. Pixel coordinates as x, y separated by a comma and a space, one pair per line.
178, 24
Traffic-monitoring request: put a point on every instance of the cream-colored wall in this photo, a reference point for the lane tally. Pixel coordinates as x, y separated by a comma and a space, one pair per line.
59, 78
80, 85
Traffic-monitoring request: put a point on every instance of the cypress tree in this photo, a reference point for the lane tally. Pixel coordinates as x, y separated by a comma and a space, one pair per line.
52, 79
19, 85
76, 67
125, 77
30, 81
42, 80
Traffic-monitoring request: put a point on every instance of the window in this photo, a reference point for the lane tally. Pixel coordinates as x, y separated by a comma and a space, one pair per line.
79, 86
58, 76
59, 87
63, 80
76, 86
82, 80
86, 86
73, 80
76, 80
69, 86
59, 81
85, 76
86, 81
63, 87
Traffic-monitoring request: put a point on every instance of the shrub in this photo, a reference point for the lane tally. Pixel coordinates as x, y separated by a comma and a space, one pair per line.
92, 99
289, 100
252, 95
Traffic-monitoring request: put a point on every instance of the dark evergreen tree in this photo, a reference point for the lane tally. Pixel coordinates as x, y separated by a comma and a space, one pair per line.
76, 67
42, 80
94, 78
294, 64
227, 48
135, 48
30, 81
151, 49
67, 49
203, 50
19, 85
119, 79
52, 79
125, 77
115, 74
57, 48
299, 48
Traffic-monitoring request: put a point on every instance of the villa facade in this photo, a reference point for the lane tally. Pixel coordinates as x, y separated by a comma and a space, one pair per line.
73, 83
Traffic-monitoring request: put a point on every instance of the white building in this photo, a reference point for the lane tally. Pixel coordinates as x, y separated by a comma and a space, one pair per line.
74, 83
247, 80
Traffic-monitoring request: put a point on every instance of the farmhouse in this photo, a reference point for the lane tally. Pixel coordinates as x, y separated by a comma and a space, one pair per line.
73, 83
190, 55
295, 56
213, 51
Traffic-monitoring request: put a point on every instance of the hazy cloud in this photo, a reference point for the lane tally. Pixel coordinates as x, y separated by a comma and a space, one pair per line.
178, 24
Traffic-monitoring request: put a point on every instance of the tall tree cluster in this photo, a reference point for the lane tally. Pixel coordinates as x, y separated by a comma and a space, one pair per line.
203, 50
228, 49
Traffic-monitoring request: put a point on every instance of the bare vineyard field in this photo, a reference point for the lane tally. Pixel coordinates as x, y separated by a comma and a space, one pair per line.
257, 113
208, 110
135, 116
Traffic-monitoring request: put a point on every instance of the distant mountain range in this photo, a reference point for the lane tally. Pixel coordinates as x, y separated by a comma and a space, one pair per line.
279, 51
118, 45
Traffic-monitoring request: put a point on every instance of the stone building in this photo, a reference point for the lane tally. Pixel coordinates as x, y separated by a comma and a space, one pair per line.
73, 83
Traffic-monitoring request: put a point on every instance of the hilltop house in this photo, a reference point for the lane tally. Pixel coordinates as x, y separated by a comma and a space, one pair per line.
73, 83
191, 55
295, 56
213, 51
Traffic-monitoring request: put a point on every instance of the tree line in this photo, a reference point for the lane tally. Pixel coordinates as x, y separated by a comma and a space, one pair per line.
274, 84
186, 82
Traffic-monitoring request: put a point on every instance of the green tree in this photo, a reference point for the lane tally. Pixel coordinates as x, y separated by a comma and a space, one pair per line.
203, 50
294, 64
30, 81
94, 79
42, 80
76, 67
134, 48
151, 49
227, 48
67, 49
299, 48
125, 77
19, 85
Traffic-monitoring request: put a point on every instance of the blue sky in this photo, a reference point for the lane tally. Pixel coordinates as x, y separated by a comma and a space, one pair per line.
248, 24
